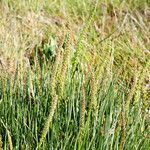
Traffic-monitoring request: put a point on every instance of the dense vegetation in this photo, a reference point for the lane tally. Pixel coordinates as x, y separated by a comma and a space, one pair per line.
74, 74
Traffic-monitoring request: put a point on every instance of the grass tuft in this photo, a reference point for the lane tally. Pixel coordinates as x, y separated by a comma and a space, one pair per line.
74, 75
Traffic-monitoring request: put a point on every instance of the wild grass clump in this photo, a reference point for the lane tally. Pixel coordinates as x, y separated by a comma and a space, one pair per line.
74, 75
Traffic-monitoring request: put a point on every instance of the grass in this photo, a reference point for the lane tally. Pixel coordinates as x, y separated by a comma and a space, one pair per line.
74, 75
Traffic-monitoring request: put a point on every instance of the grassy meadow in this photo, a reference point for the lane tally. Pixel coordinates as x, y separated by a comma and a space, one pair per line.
74, 74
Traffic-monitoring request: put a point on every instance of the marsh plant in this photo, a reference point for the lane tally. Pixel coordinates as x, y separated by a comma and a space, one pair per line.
74, 75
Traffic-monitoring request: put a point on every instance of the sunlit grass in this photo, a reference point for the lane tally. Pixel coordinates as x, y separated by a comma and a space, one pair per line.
74, 75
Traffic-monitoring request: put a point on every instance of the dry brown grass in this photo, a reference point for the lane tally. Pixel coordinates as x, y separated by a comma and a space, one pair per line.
21, 32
